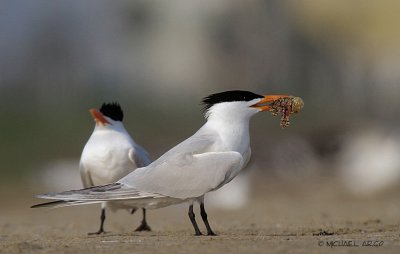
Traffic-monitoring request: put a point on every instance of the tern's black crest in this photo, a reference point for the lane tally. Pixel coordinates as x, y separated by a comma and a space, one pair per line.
112, 110
229, 96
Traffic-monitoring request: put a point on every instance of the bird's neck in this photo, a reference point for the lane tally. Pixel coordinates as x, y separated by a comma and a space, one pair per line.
116, 126
233, 132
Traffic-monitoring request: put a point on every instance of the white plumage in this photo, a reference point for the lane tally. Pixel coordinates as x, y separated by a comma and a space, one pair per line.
110, 154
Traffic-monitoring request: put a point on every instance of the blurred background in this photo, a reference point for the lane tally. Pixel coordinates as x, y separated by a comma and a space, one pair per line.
158, 59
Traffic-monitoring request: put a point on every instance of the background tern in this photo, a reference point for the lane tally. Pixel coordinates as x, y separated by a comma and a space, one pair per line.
109, 155
204, 162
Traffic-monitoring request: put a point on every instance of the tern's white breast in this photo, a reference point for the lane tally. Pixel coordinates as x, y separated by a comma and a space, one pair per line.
106, 157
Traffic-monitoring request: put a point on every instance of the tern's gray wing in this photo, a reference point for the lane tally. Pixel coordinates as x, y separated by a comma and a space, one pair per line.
139, 156
187, 175
188, 170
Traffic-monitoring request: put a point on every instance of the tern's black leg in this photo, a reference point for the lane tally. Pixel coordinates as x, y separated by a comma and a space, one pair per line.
204, 217
144, 226
102, 219
193, 220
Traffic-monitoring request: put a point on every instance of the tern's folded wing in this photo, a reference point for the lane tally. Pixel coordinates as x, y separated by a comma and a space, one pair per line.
139, 157
187, 175
183, 177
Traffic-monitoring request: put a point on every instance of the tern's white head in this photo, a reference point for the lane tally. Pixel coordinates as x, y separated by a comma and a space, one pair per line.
236, 105
109, 116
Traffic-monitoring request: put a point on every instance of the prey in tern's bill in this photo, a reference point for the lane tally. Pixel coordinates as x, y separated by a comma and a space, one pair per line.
286, 106
204, 162
109, 155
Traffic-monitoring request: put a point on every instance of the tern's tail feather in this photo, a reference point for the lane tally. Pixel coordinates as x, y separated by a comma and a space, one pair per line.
96, 194
63, 203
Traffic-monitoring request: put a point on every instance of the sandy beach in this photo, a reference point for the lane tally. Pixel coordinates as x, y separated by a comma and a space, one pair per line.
312, 219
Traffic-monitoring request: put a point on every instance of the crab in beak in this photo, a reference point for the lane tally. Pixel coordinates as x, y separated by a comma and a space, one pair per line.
268, 99
283, 104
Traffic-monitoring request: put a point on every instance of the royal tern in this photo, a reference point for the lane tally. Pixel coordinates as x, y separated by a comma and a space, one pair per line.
204, 162
109, 155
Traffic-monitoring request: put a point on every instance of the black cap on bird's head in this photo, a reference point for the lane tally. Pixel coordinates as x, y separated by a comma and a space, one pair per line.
229, 96
112, 110
257, 101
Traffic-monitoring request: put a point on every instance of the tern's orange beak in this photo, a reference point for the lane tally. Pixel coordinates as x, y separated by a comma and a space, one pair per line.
99, 117
267, 99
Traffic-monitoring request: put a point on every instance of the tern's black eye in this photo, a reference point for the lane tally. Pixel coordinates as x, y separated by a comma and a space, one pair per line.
229, 96
112, 110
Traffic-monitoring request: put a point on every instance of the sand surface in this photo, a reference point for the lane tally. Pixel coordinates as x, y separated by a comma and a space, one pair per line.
277, 220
